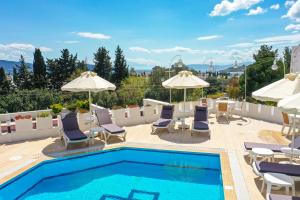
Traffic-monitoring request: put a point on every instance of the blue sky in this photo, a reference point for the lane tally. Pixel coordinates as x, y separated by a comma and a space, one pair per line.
149, 31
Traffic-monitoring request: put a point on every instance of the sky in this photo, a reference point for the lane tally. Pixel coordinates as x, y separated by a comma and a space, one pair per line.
150, 32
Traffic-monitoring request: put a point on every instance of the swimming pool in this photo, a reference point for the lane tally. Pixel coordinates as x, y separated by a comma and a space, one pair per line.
121, 174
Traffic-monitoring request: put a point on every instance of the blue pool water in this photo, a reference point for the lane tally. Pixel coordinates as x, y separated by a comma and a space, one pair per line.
122, 174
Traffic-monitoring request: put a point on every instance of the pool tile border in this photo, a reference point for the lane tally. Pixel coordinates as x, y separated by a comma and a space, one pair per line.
227, 178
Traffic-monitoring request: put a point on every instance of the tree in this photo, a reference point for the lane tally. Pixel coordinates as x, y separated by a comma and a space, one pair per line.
287, 58
23, 75
39, 69
260, 73
103, 66
67, 63
132, 90
120, 69
55, 75
233, 88
60, 70
4, 82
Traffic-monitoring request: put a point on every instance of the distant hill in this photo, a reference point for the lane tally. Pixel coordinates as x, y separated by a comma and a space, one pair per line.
8, 66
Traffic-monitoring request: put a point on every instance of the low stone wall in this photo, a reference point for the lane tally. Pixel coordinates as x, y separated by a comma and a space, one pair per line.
34, 128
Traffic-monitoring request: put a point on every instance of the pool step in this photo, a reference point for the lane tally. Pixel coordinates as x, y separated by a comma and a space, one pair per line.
133, 195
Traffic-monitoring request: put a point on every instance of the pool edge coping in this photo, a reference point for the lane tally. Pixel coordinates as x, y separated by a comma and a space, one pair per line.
229, 188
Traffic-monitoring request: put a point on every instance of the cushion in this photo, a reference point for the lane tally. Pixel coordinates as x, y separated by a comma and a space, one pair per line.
200, 113
75, 135
167, 112
162, 122
112, 128
282, 197
103, 116
274, 147
297, 143
288, 169
69, 121
201, 125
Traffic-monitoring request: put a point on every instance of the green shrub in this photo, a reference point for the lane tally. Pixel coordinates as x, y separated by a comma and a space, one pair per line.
56, 108
83, 106
43, 114
71, 107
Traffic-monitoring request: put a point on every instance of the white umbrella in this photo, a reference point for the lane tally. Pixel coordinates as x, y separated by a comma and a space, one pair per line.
184, 80
291, 105
88, 82
280, 89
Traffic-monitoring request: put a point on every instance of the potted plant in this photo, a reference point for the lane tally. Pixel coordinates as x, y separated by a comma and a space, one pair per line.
44, 120
56, 109
83, 106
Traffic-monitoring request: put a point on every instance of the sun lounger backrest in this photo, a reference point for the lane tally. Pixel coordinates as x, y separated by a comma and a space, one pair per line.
200, 113
69, 121
285, 118
103, 116
167, 112
297, 143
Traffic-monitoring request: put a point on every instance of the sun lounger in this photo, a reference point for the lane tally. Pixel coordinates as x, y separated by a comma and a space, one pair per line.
288, 169
277, 174
282, 197
200, 123
166, 119
70, 130
274, 147
111, 129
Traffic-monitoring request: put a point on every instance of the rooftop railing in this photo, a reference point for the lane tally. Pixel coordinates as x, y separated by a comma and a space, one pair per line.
30, 126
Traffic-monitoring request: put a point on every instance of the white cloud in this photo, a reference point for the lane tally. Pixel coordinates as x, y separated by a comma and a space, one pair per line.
13, 51
295, 32
275, 6
256, 11
175, 49
98, 36
71, 42
209, 37
226, 7
280, 39
292, 27
45, 49
242, 45
294, 12
143, 61
139, 49
288, 3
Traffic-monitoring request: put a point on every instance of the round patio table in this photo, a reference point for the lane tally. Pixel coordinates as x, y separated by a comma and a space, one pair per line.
262, 152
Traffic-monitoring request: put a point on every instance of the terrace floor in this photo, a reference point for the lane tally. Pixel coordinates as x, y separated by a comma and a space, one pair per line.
229, 137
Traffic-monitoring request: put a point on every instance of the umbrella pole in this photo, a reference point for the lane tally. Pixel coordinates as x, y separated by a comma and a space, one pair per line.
184, 100
293, 137
90, 101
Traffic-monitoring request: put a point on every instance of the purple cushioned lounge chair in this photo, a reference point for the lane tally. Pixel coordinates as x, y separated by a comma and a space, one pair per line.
70, 130
274, 147
288, 169
200, 123
166, 120
104, 121
282, 197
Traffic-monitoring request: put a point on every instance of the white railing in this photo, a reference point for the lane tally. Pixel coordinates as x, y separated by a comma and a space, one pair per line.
37, 127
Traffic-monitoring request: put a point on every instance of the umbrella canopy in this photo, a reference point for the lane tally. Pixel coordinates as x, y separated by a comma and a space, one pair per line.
290, 104
183, 80
88, 81
278, 90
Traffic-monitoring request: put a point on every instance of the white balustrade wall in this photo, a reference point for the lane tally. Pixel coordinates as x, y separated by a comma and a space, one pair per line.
124, 117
